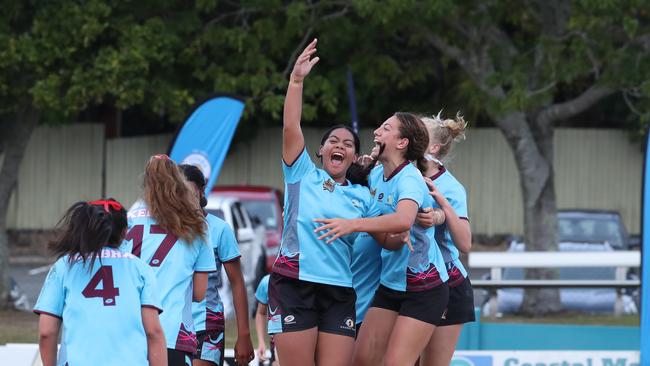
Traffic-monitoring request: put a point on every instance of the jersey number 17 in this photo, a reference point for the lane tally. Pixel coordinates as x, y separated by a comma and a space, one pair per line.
137, 233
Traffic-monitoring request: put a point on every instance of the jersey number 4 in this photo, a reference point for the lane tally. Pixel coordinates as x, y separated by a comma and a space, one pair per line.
108, 291
137, 233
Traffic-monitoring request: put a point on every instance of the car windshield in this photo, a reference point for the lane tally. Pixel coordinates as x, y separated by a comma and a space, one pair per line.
263, 210
218, 213
569, 273
590, 230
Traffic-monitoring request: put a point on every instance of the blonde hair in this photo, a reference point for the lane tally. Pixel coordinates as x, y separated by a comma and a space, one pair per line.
171, 201
445, 131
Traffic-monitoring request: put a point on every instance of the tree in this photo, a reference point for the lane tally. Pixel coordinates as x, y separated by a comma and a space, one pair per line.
59, 58
531, 64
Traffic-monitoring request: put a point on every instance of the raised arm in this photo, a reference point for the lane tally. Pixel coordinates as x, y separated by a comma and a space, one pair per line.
293, 141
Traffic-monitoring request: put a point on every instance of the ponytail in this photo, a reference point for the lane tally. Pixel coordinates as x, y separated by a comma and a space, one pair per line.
171, 201
82, 233
445, 132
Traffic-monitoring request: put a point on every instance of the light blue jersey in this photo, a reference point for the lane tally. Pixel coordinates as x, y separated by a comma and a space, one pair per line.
262, 293
100, 308
208, 314
311, 193
174, 262
366, 269
402, 270
454, 192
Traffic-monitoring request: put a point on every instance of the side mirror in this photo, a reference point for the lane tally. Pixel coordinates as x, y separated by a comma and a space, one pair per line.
634, 242
256, 221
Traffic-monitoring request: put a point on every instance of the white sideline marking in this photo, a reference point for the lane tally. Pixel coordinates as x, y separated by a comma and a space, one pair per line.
38, 270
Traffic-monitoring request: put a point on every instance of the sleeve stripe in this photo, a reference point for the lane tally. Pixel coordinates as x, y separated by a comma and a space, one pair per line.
205, 271
233, 259
463, 218
40, 312
289, 165
409, 199
152, 307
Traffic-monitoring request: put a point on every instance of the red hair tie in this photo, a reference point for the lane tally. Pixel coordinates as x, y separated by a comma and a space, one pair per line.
116, 206
161, 156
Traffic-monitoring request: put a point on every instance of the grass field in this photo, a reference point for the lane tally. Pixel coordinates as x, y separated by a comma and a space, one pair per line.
22, 327
578, 319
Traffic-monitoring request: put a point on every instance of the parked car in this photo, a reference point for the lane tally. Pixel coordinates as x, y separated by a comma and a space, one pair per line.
587, 300
593, 226
250, 237
263, 204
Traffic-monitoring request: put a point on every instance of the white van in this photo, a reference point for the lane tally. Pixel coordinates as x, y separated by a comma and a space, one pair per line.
250, 237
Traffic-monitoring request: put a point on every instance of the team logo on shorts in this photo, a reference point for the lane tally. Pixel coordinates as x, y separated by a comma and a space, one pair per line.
381, 196
349, 323
289, 319
328, 185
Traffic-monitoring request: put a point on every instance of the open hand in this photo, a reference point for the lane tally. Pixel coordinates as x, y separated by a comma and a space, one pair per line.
335, 228
425, 217
433, 191
261, 352
304, 62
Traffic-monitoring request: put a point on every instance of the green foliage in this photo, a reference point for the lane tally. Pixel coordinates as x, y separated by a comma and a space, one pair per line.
164, 56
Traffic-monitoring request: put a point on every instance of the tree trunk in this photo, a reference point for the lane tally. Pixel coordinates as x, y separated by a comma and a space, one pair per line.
532, 147
540, 229
18, 131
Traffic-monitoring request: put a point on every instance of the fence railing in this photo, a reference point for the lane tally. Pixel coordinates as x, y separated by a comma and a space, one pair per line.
622, 261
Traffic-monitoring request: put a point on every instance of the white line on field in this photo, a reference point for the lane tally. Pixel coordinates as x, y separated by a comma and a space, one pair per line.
38, 270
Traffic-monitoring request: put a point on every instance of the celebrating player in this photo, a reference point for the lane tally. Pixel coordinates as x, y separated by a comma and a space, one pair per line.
452, 236
413, 292
311, 300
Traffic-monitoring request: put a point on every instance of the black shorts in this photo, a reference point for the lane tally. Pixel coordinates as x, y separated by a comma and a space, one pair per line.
178, 358
460, 309
211, 346
427, 306
296, 305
